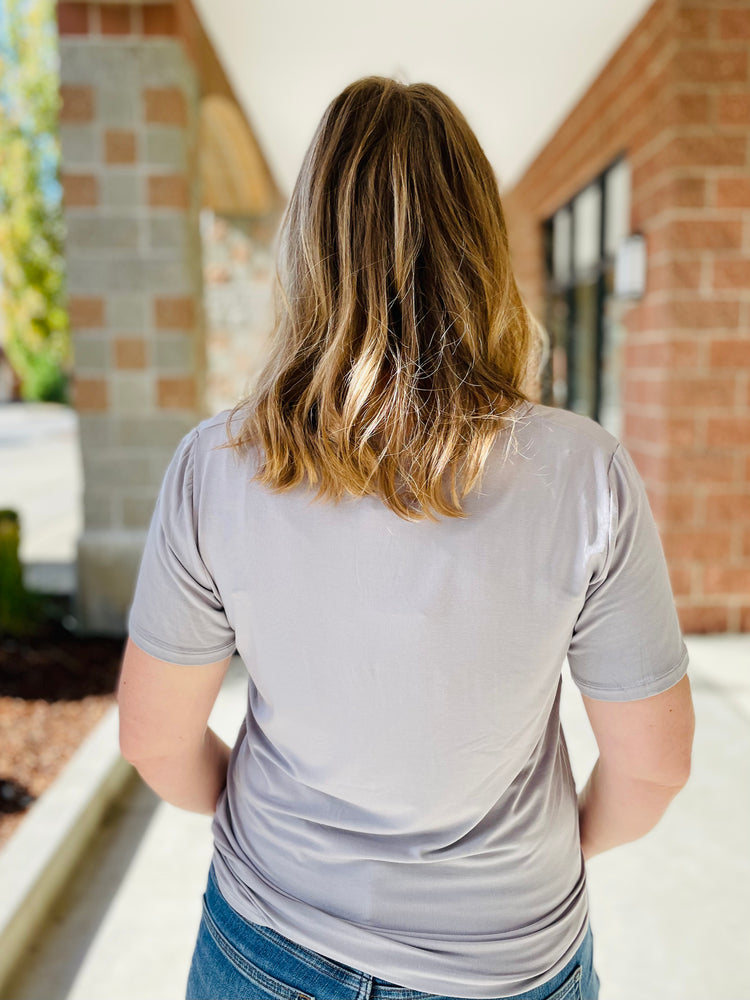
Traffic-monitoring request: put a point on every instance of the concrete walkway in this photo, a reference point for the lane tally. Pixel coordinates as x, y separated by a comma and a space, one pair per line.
670, 913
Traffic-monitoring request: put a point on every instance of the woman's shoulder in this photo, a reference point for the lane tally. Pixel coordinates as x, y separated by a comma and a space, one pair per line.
560, 426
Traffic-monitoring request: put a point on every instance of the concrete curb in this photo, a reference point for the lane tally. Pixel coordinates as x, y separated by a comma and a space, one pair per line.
42, 853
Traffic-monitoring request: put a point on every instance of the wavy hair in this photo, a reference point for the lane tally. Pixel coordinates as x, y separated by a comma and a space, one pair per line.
401, 344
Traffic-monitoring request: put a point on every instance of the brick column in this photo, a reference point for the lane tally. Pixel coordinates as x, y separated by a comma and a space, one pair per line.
128, 127
687, 392
675, 99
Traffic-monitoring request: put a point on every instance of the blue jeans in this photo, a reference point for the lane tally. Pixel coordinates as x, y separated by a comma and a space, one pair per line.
234, 958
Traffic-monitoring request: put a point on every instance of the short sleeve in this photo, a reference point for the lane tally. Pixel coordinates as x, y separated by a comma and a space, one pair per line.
176, 613
627, 643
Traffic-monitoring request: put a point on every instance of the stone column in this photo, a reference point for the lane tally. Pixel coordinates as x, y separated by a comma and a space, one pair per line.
128, 129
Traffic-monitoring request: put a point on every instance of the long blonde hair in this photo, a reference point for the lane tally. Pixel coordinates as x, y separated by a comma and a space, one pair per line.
401, 342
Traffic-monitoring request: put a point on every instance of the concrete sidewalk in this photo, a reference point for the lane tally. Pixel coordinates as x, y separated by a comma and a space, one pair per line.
670, 913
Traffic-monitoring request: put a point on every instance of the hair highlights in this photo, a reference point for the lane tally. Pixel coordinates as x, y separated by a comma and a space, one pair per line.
401, 343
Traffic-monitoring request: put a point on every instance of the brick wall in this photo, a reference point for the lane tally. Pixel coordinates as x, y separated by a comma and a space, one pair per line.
675, 98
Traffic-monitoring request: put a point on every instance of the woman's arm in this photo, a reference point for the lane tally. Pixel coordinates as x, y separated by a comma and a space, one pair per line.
645, 748
164, 709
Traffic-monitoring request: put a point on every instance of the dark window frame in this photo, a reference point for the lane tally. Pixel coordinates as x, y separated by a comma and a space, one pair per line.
553, 288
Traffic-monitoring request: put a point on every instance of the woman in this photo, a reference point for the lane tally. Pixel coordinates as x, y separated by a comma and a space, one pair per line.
398, 816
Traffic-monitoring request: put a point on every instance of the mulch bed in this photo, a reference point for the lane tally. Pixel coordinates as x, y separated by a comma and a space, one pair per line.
54, 688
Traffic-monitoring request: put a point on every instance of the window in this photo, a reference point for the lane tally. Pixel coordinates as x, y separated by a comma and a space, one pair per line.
581, 313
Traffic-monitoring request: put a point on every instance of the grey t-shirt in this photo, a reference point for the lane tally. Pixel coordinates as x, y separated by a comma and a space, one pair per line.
399, 796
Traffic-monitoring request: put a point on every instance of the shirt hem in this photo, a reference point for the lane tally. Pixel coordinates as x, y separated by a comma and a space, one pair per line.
177, 656
656, 685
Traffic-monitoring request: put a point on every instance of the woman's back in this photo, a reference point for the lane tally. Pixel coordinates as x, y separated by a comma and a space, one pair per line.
400, 796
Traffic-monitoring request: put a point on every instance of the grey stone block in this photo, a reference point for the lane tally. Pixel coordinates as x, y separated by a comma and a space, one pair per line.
161, 430
174, 352
96, 232
77, 65
118, 106
170, 232
90, 352
163, 63
107, 469
114, 60
133, 392
120, 189
165, 146
108, 561
102, 274
128, 313
138, 510
95, 430
174, 276
78, 145
97, 509
128, 273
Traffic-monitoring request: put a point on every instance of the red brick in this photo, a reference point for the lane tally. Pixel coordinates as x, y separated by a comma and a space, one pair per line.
673, 509
85, 312
709, 150
674, 275
696, 620
728, 507
745, 619
159, 19
706, 314
176, 393
696, 467
734, 109
680, 578
666, 353
734, 25
115, 19
130, 352
699, 393
686, 543
648, 316
77, 103
73, 18
687, 192
682, 192
79, 190
691, 22
704, 64
164, 106
731, 273
649, 170
174, 313
119, 146
661, 429
729, 354
90, 394
704, 234
726, 580
733, 192
686, 108
168, 191
725, 432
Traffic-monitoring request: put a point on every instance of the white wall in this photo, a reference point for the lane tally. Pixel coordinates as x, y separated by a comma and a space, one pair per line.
514, 67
